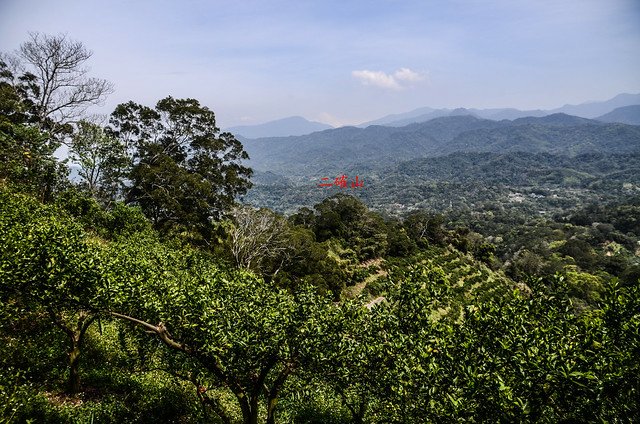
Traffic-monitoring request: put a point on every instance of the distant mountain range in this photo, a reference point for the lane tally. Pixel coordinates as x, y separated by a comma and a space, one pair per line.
589, 110
606, 111
351, 148
626, 115
292, 126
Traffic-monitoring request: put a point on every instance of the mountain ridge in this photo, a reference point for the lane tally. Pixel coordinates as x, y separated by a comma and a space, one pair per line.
299, 126
290, 126
589, 110
624, 115
341, 149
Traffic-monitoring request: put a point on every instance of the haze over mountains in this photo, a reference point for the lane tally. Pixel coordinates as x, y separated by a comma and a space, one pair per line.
626, 115
342, 149
590, 110
457, 160
296, 126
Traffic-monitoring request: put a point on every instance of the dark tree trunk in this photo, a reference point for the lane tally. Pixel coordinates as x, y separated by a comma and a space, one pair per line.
249, 411
76, 338
356, 414
274, 393
254, 410
73, 383
214, 404
271, 410
359, 417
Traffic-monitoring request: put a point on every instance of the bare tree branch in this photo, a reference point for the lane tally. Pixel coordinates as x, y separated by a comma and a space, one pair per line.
65, 92
160, 330
257, 236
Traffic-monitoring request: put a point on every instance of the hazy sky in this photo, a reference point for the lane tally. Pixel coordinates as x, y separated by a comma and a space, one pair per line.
342, 61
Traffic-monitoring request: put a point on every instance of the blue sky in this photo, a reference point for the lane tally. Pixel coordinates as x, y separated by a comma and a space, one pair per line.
346, 62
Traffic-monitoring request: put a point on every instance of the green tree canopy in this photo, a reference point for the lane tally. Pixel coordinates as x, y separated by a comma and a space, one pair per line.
102, 159
185, 172
26, 152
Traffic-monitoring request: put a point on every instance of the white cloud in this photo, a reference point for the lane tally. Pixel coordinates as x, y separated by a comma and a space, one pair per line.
377, 78
406, 74
401, 78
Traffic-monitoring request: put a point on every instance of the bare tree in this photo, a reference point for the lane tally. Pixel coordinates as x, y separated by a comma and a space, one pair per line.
259, 236
60, 89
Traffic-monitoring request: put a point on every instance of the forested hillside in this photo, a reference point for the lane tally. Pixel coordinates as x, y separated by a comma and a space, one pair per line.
626, 115
375, 146
485, 271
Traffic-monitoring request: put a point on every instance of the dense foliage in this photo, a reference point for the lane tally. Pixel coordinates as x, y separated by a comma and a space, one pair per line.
423, 351
145, 293
184, 172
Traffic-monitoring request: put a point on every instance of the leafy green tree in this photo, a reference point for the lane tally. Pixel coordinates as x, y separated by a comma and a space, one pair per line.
376, 356
103, 160
618, 325
349, 359
424, 228
118, 221
27, 162
243, 333
12, 107
26, 153
530, 356
412, 350
346, 218
286, 255
399, 242
580, 251
484, 252
49, 268
303, 217
185, 173
304, 258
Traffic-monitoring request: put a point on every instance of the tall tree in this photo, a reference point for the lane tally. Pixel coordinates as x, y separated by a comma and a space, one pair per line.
347, 218
185, 172
50, 269
44, 90
102, 159
55, 81
27, 159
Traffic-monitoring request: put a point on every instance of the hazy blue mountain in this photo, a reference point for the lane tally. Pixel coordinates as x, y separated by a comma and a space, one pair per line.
555, 119
595, 109
341, 148
417, 119
625, 115
586, 110
419, 115
508, 113
557, 139
413, 116
493, 114
292, 126
351, 148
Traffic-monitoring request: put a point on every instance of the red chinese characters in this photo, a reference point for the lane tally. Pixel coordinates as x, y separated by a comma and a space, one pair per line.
325, 184
342, 182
